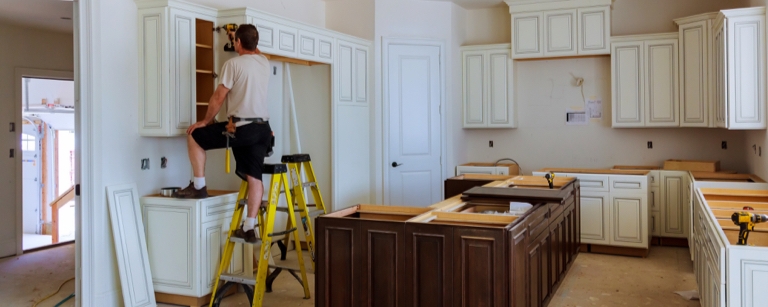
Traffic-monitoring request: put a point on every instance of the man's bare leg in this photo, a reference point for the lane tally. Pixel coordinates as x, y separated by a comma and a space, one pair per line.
255, 194
196, 157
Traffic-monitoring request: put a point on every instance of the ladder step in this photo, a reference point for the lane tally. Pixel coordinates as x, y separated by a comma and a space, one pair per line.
241, 278
281, 233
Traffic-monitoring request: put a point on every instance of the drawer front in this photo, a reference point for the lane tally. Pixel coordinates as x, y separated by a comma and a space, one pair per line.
653, 177
629, 184
597, 183
217, 208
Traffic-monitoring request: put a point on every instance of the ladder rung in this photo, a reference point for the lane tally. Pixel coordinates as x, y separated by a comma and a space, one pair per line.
297, 210
282, 233
309, 184
242, 241
242, 278
295, 269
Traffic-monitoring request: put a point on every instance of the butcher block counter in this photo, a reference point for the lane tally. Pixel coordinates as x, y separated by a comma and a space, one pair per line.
453, 252
596, 171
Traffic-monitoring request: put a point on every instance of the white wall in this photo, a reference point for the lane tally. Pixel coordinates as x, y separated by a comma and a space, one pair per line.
23, 48
353, 17
655, 16
307, 11
488, 26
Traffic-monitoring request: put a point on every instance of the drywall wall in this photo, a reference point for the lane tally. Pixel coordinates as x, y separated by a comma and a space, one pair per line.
416, 19
756, 152
353, 17
655, 16
23, 48
545, 88
488, 26
307, 11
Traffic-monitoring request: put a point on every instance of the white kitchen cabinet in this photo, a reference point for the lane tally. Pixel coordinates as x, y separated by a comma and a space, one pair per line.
696, 75
316, 47
560, 33
655, 231
740, 68
185, 240
487, 170
168, 66
487, 87
352, 72
629, 220
644, 75
560, 28
674, 213
595, 213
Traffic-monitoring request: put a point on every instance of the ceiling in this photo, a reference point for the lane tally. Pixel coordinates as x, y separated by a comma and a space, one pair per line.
476, 4
41, 14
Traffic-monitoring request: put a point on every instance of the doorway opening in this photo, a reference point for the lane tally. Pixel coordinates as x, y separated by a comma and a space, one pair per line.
48, 162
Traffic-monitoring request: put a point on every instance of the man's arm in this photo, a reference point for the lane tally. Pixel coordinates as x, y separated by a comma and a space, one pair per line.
214, 104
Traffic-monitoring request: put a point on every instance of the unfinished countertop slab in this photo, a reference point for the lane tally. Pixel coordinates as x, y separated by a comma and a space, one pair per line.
596, 171
728, 177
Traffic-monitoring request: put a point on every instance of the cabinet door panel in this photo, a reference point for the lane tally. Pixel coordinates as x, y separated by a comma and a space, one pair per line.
173, 263
479, 265
694, 65
345, 75
655, 220
594, 30
430, 264
183, 63
384, 252
152, 64
518, 267
673, 223
499, 83
474, 89
560, 33
720, 78
361, 74
534, 274
629, 217
661, 89
746, 73
594, 219
628, 84
527, 32
338, 243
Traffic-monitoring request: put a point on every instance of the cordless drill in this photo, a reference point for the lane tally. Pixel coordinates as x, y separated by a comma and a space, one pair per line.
550, 179
230, 28
746, 221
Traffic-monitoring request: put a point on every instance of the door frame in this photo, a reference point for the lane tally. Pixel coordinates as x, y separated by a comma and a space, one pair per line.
19, 73
384, 112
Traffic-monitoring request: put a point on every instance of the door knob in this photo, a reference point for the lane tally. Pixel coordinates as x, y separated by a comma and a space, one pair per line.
395, 164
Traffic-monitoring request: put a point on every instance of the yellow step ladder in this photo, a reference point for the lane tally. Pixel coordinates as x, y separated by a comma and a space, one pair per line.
296, 164
277, 186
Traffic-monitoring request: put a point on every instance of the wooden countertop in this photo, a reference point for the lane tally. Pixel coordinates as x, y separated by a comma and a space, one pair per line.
719, 176
596, 171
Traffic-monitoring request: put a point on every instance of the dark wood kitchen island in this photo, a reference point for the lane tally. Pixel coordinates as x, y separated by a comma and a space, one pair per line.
450, 254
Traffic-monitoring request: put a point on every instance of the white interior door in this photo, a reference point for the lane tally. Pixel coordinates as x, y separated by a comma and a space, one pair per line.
413, 94
31, 190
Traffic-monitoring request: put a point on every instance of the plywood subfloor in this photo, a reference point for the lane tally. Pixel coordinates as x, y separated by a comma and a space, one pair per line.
594, 280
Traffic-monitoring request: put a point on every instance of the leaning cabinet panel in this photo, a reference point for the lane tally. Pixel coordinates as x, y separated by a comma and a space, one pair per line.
487, 87
560, 28
175, 65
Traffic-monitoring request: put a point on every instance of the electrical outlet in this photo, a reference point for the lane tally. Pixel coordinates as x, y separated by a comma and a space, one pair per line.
145, 164
163, 162
650, 144
490, 143
724, 145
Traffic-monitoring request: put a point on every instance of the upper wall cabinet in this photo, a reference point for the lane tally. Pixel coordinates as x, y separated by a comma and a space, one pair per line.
644, 75
175, 65
487, 87
352, 73
696, 70
560, 28
739, 59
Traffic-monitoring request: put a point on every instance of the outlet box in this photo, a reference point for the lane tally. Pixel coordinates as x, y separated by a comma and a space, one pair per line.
145, 164
650, 144
724, 145
490, 143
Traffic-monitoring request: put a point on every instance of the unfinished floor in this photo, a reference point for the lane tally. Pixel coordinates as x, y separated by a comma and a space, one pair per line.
594, 280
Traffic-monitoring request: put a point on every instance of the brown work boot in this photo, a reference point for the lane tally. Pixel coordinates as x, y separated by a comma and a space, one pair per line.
249, 235
191, 192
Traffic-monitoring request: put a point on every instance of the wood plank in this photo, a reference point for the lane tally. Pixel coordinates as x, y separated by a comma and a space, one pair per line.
191, 301
475, 218
727, 224
692, 165
734, 192
291, 60
719, 176
391, 209
596, 171
481, 177
637, 167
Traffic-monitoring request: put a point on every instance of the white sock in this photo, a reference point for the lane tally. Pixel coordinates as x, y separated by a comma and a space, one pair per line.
250, 223
199, 182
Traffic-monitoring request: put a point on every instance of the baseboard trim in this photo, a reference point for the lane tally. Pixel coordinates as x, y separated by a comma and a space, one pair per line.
615, 250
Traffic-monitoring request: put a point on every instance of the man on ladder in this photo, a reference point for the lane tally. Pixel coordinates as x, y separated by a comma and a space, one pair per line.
244, 81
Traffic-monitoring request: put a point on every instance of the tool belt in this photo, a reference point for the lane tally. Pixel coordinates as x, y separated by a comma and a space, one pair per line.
257, 120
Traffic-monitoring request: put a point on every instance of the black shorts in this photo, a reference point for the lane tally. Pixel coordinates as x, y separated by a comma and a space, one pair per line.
249, 145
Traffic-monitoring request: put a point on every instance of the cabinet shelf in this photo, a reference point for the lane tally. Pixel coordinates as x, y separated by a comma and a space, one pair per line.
204, 46
202, 103
203, 71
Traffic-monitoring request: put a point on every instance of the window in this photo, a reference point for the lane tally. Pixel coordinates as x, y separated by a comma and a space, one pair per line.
28, 142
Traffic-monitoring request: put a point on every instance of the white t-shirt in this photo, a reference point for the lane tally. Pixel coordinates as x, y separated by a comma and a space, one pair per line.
247, 78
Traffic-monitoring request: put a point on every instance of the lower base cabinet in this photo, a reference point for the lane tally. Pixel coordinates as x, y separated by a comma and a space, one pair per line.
395, 256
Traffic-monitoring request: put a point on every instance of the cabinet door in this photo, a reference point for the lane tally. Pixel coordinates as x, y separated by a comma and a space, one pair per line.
212, 247
479, 264
183, 71
654, 201
746, 72
594, 214
153, 79
594, 30
655, 219
500, 107
383, 252
673, 216
430, 265
352, 72
628, 84
518, 266
315, 47
629, 220
474, 88
527, 35
534, 274
560, 33
338, 252
720, 78
694, 74
661, 89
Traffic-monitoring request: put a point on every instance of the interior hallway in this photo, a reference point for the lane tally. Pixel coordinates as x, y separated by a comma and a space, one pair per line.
594, 280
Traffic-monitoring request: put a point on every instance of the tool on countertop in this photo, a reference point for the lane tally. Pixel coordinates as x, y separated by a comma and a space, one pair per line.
550, 179
746, 221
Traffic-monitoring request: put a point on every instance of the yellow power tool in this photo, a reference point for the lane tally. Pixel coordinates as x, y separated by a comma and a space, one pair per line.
230, 28
550, 179
746, 221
